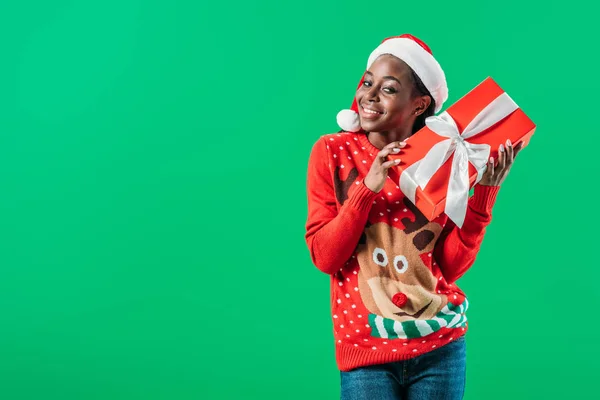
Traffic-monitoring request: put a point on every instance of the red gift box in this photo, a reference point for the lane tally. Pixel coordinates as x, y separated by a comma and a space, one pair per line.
439, 163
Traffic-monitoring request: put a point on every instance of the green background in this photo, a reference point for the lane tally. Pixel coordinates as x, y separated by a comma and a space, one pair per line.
152, 169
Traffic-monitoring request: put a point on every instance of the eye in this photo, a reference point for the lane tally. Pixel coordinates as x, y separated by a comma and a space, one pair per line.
379, 257
390, 90
401, 264
366, 83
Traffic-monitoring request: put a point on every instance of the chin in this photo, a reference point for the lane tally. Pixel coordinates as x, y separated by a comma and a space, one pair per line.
371, 126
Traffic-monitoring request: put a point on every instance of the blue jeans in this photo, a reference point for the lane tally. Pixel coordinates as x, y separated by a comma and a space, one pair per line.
437, 375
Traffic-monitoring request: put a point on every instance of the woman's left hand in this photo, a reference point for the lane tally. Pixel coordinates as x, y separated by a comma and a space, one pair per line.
495, 175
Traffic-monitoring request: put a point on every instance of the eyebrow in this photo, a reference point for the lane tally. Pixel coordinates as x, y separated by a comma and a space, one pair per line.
387, 77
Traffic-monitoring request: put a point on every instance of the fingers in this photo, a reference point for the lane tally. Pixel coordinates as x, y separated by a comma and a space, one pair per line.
378, 173
490, 167
386, 152
495, 174
506, 156
501, 158
509, 152
395, 144
518, 148
388, 164
392, 148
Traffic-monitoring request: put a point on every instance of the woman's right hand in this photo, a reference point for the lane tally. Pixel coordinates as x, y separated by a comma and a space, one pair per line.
375, 179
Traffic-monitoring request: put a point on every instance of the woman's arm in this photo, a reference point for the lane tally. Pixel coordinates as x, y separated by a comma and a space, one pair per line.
457, 248
332, 235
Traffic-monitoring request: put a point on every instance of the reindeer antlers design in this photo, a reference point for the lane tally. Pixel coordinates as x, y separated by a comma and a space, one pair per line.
342, 186
423, 238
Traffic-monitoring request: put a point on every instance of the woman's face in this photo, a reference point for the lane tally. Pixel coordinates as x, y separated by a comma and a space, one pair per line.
385, 98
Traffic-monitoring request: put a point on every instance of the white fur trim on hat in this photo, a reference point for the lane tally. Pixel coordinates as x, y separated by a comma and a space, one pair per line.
348, 120
421, 61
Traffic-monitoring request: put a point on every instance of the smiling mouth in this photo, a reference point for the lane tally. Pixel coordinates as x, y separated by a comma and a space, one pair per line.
370, 111
415, 315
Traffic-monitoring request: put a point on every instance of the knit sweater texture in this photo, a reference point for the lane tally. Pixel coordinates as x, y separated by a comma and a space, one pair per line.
393, 273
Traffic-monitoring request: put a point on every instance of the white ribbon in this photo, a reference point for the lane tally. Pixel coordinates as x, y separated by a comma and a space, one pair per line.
420, 173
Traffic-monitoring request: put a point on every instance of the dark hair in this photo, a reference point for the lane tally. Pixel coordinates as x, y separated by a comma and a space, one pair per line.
419, 89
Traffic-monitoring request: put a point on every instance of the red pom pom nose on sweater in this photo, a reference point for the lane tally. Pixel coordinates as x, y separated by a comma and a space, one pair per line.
399, 300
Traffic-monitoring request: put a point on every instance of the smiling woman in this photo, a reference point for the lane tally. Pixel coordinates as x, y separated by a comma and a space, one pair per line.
399, 318
396, 79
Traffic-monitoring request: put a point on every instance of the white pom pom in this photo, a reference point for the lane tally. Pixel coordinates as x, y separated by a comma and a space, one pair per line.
348, 121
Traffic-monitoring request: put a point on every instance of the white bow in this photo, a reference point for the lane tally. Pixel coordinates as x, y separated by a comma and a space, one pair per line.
421, 172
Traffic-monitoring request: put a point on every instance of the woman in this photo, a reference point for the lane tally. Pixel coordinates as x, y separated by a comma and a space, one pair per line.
399, 318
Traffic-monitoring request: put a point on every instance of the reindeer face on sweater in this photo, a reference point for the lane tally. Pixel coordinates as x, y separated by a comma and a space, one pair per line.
393, 280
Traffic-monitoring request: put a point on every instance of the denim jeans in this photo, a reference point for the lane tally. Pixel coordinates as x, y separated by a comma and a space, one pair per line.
437, 375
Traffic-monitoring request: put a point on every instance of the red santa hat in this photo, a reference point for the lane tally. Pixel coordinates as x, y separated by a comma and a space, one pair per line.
419, 57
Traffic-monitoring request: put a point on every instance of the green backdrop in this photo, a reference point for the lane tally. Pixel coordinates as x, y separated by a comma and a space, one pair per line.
152, 167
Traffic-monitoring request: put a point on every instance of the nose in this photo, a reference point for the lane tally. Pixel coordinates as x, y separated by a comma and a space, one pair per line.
372, 94
399, 299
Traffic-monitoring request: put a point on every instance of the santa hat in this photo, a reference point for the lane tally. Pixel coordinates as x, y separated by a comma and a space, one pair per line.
419, 57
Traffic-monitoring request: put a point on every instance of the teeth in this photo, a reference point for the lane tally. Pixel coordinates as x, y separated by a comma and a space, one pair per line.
370, 111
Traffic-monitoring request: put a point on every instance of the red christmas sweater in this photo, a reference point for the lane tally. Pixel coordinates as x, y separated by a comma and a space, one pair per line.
393, 272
